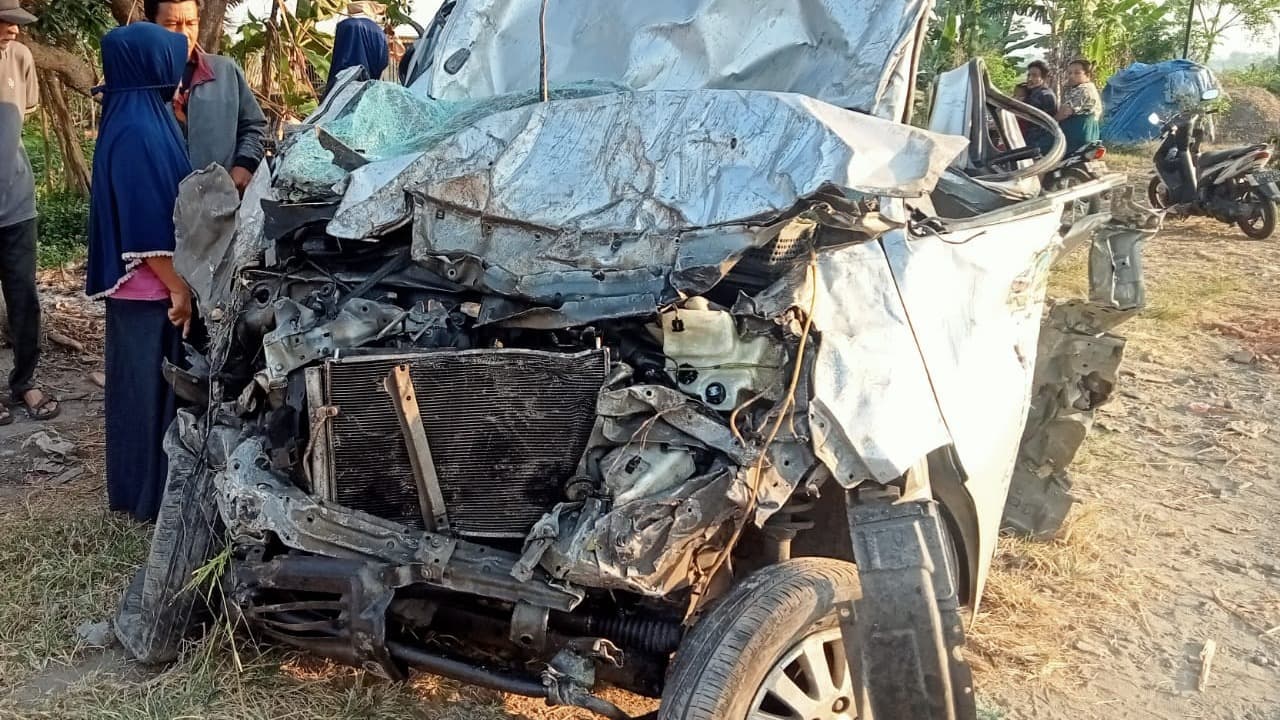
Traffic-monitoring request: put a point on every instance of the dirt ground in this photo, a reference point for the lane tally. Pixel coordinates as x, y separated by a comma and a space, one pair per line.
1174, 547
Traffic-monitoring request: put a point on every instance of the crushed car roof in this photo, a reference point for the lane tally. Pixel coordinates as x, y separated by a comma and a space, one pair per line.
855, 54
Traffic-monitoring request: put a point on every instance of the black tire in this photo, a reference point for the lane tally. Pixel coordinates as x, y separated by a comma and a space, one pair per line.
158, 608
728, 654
1157, 199
1261, 225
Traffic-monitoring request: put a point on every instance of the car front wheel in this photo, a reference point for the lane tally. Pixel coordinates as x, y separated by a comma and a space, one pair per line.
771, 649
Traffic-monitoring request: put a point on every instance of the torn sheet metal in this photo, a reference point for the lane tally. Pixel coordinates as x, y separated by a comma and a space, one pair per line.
651, 545
204, 219
383, 121
566, 269
301, 338
872, 413
1077, 367
976, 300
252, 218
661, 516
218, 234
650, 163
851, 53
495, 310
969, 304
658, 414
254, 502
1115, 258
376, 201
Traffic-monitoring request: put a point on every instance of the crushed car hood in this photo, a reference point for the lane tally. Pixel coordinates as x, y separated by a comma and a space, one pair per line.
853, 54
648, 163
610, 206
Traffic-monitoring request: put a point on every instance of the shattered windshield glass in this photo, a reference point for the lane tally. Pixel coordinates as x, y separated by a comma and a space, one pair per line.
384, 120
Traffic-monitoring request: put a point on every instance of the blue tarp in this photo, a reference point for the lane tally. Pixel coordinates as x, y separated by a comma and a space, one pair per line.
1137, 91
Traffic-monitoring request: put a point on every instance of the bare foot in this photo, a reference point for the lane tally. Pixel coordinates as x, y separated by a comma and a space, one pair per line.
41, 406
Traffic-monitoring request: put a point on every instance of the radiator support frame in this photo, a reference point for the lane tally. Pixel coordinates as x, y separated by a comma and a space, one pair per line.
566, 385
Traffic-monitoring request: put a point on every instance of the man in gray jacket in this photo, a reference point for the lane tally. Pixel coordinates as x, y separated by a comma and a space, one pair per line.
219, 114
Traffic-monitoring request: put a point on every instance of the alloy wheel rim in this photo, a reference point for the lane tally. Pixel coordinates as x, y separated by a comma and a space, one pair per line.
810, 682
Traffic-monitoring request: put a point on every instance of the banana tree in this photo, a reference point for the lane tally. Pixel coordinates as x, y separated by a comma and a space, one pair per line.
287, 56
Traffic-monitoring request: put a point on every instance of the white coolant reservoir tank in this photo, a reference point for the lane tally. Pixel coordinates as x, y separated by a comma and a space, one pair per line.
639, 471
710, 358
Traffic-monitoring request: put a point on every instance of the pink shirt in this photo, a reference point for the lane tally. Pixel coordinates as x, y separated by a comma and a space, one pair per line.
144, 284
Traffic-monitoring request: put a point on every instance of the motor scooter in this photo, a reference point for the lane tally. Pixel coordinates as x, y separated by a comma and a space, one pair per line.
1232, 186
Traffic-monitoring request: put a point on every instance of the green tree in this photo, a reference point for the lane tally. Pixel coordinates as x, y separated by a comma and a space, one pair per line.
1211, 19
965, 29
1156, 35
289, 55
64, 43
1109, 33
1108, 29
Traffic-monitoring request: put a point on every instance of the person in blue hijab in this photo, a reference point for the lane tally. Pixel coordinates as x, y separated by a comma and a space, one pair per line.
359, 41
139, 161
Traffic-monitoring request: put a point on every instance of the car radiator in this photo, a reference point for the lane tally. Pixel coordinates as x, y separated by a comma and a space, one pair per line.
506, 427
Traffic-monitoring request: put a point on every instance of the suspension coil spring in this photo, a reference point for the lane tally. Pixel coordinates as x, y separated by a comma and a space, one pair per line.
790, 518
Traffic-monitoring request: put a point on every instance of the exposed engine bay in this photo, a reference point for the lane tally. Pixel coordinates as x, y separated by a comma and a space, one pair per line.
559, 428
383, 413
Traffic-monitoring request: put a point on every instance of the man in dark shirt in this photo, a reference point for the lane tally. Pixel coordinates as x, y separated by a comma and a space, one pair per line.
215, 106
1036, 93
19, 95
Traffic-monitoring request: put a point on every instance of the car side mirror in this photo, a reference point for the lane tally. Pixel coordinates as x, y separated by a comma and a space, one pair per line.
1154, 119
1210, 94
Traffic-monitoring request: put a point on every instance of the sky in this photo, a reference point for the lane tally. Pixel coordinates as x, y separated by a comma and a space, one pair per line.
424, 10
421, 10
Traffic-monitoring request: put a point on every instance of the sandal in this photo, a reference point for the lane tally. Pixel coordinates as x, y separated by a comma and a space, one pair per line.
47, 409
6, 417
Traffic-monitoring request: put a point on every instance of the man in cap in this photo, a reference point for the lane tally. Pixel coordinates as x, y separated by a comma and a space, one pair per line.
19, 95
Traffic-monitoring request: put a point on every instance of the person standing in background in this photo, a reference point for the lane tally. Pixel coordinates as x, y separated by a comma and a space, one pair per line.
1081, 107
139, 162
359, 41
217, 111
1036, 93
19, 96
406, 61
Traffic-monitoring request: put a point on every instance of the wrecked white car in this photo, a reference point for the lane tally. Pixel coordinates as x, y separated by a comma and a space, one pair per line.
705, 376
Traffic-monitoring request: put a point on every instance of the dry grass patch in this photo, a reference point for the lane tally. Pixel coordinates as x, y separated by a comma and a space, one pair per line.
1177, 300
61, 564
64, 560
1176, 294
206, 683
1045, 602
